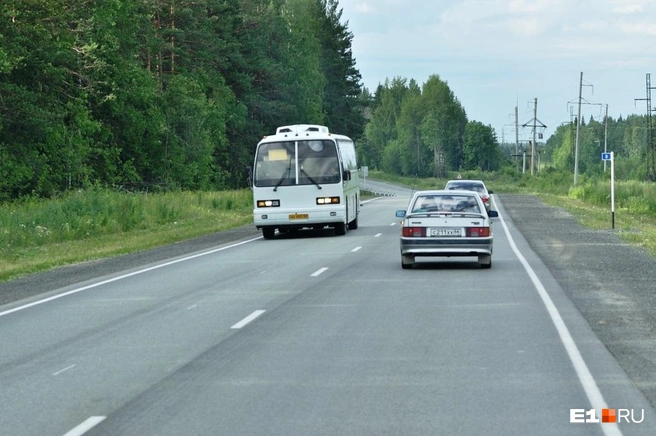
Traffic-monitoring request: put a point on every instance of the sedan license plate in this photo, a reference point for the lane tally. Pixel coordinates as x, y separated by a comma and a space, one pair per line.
441, 232
298, 216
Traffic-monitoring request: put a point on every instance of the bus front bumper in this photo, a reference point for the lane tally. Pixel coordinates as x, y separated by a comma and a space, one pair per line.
298, 218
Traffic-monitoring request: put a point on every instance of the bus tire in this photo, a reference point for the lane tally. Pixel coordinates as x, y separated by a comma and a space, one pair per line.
353, 224
340, 229
268, 232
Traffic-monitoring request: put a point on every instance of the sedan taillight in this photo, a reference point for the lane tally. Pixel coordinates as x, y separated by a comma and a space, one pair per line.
413, 232
477, 232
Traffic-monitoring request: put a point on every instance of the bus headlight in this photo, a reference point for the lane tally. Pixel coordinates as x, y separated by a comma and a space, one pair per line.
268, 203
328, 200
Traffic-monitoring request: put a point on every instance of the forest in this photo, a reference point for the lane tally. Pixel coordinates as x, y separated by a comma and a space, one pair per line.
163, 94
158, 95
627, 137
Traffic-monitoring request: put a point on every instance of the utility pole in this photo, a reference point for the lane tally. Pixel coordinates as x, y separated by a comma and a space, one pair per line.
578, 126
651, 151
605, 134
517, 136
535, 114
535, 122
578, 129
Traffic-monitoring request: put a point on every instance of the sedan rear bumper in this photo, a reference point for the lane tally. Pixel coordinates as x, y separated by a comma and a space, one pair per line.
446, 247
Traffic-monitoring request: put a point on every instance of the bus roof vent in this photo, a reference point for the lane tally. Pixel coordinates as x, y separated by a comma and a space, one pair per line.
302, 128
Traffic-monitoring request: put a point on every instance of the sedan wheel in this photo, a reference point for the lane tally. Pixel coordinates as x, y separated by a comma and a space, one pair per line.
407, 261
485, 260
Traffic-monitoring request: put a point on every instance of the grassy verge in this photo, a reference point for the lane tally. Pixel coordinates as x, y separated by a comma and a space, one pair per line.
638, 229
36, 235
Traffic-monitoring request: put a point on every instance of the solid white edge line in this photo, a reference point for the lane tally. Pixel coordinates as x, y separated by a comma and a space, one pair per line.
582, 371
248, 319
134, 273
319, 271
87, 425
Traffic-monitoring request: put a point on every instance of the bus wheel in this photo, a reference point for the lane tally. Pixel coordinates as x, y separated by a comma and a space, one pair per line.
353, 224
268, 232
340, 229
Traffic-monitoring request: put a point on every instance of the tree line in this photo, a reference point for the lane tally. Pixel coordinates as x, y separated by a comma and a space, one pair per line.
163, 93
175, 94
424, 131
627, 137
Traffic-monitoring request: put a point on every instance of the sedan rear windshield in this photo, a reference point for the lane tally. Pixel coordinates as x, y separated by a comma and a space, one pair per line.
445, 203
476, 187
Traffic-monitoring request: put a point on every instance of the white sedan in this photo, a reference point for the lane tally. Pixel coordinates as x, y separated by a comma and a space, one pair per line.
446, 223
472, 185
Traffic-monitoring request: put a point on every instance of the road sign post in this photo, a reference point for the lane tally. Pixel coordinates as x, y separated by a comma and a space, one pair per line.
611, 157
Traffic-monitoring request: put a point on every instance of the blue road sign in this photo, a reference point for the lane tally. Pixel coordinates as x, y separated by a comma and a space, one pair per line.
605, 156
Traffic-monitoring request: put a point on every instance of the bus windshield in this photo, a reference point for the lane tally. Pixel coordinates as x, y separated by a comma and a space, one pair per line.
289, 163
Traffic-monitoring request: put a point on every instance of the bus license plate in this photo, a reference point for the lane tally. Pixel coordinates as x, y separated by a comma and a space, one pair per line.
446, 232
298, 216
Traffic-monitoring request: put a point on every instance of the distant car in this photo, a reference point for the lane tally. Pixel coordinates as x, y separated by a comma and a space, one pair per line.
472, 185
446, 223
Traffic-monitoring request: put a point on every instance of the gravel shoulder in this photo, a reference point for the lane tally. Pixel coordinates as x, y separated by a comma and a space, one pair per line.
612, 284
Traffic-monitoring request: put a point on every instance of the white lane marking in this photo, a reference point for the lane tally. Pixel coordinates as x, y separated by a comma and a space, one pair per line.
86, 426
63, 370
193, 306
356, 249
319, 271
248, 319
582, 371
377, 235
393, 224
115, 279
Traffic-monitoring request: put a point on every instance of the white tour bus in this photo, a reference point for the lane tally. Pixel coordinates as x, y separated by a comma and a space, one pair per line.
305, 177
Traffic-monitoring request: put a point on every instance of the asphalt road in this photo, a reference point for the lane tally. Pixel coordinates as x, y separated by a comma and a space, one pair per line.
327, 335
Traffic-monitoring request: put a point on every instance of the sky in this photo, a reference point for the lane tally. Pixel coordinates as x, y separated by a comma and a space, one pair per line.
496, 55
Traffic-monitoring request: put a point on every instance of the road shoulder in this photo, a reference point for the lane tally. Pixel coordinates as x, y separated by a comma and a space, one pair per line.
610, 282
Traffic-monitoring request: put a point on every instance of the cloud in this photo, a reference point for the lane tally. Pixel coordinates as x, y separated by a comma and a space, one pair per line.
638, 28
531, 6
363, 8
627, 9
496, 52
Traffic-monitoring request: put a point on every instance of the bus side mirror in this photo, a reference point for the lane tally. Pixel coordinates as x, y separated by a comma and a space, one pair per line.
249, 176
346, 175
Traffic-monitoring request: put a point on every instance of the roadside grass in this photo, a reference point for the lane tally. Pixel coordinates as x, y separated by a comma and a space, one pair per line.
36, 234
637, 229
